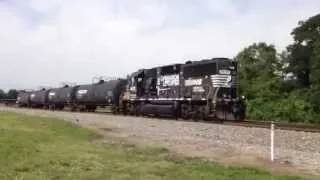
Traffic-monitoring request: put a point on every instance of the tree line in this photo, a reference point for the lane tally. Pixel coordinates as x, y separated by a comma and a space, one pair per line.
11, 94
283, 86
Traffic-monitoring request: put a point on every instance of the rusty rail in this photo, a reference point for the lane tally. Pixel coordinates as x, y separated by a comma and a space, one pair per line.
278, 125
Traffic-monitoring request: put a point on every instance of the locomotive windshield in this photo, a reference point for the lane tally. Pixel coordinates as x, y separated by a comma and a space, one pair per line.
227, 64
200, 70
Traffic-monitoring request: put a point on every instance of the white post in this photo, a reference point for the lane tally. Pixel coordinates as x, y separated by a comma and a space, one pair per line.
272, 141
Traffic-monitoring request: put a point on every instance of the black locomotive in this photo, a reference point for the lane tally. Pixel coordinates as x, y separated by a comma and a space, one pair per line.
203, 89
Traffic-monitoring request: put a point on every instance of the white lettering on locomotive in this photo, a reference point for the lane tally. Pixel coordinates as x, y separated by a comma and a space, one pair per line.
169, 80
52, 94
82, 91
198, 89
193, 82
132, 88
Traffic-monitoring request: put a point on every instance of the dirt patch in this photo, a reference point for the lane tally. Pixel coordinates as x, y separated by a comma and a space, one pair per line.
226, 157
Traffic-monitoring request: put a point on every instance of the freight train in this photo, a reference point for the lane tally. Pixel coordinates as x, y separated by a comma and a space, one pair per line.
205, 89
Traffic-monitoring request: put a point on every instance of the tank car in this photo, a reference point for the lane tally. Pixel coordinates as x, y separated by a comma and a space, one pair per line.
58, 98
23, 99
39, 99
103, 93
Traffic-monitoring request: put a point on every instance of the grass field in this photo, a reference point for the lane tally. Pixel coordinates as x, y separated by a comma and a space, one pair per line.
47, 148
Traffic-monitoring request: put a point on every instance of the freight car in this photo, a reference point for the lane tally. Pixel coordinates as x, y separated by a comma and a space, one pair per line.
39, 99
203, 89
104, 93
82, 97
59, 98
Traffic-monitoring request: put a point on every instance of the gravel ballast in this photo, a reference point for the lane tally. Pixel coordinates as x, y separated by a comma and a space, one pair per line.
231, 144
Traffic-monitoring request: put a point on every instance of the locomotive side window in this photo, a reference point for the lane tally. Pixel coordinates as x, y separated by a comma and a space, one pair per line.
151, 81
170, 70
200, 70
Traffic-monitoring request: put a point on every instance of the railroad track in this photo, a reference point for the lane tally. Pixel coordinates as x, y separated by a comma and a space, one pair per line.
247, 123
277, 125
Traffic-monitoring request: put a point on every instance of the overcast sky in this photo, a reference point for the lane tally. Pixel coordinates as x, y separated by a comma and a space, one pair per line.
46, 42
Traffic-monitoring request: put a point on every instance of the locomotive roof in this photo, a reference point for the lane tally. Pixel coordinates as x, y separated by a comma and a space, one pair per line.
176, 64
188, 63
147, 69
205, 61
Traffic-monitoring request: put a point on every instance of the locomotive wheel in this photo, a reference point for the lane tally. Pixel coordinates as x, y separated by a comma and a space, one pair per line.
204, 116
220, 114
73, 108
138, 107
177, 109
124, 108
185, 112
137, 112
114, 110
195, 116
230, 116
61, 107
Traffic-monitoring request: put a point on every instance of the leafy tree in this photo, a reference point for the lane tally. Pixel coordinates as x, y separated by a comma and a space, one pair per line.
261, 75
2, 94
259, 68
314, 91
12, 94
306, 36
304, 60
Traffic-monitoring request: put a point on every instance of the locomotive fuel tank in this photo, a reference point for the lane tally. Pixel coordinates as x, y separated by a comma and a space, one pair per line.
157, 109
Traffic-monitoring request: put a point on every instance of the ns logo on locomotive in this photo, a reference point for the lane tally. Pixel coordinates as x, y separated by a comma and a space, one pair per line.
205, 89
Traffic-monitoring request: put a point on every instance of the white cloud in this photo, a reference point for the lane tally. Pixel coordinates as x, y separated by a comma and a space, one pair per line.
77, 41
